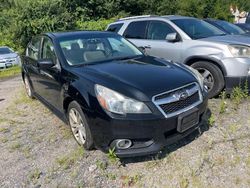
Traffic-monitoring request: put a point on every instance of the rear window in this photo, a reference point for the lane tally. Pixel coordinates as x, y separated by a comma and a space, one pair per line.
136, 30
115, 27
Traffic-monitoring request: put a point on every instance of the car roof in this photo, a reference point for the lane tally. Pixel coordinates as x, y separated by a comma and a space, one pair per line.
169, 17
77, 33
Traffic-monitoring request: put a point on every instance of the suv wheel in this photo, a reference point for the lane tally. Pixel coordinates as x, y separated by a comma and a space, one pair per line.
213, 77
79, 126
28, 87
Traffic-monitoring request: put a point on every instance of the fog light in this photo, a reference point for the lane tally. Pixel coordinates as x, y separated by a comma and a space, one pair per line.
123, 143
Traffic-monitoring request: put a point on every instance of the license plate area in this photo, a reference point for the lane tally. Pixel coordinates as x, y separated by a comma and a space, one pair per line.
188, 120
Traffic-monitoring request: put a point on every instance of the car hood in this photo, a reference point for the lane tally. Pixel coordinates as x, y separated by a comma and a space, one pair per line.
8, 56
230, 39
148, 75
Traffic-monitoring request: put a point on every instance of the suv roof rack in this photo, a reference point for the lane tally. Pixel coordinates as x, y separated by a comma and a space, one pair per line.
134, 17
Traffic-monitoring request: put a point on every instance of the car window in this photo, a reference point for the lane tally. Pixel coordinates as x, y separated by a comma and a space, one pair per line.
5, 50
115, 27
48, 51
158, 30
230, 28
136, 30
85, 50
32, 50
197, 29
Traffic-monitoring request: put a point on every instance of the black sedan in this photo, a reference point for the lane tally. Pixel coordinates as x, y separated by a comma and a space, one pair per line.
111, 94
227, 27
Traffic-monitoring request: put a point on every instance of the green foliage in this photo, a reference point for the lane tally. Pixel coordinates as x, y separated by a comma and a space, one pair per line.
10, 72
22, 19
238, 95
222, 102
211, 120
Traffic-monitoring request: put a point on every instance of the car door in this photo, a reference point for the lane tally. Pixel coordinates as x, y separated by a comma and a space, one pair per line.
157, 43
49, 81
31, 61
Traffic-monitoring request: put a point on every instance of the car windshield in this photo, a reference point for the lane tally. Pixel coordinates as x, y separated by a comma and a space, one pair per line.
87, 50
5, 51
197, 29
230, 28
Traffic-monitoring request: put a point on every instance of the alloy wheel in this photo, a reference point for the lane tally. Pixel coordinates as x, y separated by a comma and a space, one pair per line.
77, 126
208, 77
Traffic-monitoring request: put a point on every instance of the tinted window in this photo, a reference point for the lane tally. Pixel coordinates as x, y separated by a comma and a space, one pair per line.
197, 29
5, 51
136, 30
48, 50
33, 48
89, 49
158, 30
115, 27
248, 19
230, 28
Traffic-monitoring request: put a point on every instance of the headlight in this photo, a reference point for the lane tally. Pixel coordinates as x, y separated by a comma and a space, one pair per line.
115, 102
239, 51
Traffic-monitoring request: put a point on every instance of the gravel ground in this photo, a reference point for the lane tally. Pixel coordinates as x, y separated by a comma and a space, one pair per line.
37, 150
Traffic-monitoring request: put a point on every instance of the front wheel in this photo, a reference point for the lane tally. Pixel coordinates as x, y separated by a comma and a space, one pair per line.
79, 126
213, 77
28, 87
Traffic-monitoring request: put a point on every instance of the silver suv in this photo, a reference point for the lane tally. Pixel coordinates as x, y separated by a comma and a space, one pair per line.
223, 60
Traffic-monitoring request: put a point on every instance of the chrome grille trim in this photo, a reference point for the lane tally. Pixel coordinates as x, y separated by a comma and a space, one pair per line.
174, 98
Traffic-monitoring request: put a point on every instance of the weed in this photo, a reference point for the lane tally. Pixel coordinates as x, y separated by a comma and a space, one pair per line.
112, 155
68, 160
15, 146
4, 130
222, 102
26, 151
131, 181
101, 165
237, 96
35, 175
4, 140
184, 183
211, 120
111, 176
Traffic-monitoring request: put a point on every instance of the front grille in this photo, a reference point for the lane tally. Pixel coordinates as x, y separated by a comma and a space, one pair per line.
179, 100
181, 104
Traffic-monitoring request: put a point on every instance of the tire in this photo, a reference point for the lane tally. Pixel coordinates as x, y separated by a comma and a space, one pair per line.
28, 88
212, 75
79, 126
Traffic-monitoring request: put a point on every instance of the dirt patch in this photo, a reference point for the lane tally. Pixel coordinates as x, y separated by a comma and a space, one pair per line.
37, 150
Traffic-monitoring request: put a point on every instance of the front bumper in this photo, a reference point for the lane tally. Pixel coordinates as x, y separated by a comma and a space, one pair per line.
148, 136
232, 82
237, 67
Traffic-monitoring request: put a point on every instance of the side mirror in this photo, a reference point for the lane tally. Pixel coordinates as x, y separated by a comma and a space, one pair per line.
172, 37
46, 63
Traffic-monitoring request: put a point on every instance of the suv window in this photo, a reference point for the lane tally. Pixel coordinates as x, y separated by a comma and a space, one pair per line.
32, 50
48, 51
115, 27
158, 30
136, 30
248, 19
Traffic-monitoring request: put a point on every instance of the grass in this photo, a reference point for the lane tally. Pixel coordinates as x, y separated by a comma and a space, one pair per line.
68, 160
15, 146
35, 175
13, 71
211, 120
222, 102
4, 130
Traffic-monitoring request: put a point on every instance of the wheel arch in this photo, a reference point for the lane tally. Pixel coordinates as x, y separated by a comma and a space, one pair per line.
214, 61
74, 94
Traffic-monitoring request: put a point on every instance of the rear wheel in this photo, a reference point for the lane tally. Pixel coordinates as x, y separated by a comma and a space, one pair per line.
79, 126
28, 87
213, 77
